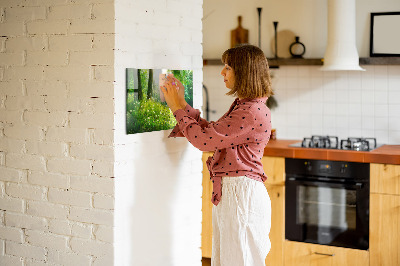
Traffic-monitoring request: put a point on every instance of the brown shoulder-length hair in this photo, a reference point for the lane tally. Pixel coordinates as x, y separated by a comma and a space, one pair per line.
250, 66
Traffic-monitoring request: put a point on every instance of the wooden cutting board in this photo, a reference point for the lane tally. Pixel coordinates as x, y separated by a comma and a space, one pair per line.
239, 35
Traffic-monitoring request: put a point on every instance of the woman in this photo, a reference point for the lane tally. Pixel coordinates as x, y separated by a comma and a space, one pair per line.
242, 208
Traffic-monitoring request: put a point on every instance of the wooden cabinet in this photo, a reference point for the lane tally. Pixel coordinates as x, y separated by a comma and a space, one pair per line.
206, 226
304, 254
385, 215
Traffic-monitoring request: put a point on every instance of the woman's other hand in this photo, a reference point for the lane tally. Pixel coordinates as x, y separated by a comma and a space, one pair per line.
174, 93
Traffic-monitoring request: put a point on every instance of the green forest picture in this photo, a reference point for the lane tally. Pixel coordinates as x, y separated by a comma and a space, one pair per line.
146, 109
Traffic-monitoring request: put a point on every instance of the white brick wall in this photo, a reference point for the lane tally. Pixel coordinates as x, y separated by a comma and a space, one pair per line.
56, 132
156, 177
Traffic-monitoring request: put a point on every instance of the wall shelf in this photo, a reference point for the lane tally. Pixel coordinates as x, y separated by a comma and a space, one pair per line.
274, 63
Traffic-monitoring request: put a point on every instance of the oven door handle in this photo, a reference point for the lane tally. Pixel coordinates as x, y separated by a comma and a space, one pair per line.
357, 185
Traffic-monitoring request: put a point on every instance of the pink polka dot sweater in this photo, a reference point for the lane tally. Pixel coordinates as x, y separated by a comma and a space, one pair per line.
238, 139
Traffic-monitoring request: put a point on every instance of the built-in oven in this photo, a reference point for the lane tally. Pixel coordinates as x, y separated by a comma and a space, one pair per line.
327, 202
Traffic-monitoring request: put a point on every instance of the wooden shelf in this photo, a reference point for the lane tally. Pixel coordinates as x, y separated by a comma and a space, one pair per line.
273, 63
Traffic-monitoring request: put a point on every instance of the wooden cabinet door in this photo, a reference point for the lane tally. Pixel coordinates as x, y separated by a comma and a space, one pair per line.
385, 178
305, 254
274, 168
277, 233
206, 226
384, 236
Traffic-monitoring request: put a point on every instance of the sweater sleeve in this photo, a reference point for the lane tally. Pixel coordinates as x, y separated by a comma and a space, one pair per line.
193, 113
231, 130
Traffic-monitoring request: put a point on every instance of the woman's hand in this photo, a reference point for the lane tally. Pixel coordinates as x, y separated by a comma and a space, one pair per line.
174, 93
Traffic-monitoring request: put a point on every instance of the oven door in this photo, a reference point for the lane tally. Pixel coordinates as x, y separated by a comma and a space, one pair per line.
327, 213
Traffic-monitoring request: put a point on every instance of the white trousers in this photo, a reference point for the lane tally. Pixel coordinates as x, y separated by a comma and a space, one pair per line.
241, 223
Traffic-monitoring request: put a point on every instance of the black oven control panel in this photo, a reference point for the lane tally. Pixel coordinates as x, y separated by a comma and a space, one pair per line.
334, 169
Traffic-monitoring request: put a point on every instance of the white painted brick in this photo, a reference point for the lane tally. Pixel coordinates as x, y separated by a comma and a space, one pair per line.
81, 73
104, 73
68, 258
101, 136
21, 43
2, 222
95, 216
25, 250
25, 221
32, 262
46, 209
96, 57
103, 202
45, 2
103, 41
104, 169
11, 88
91, 247
60, 227
56, 103
46, 27
98, 120
91, 89
12, 117
24, 13
82, 230
25, 191
69, 197
25, 161
11, 260
56, 149
46, 58
25, 103
46, 88
103, 11
3, 44
12, 29
46, 118
74, 135
70, 166
91, 26
105, 233
2, 158
12, 145
71, 42
24, 132
47, 240
93, 184
105, 260
48, 179
193, 49
92, 151
11, 233
2, 192
24, 73
12, 204
11, 59
69, 12
96, 105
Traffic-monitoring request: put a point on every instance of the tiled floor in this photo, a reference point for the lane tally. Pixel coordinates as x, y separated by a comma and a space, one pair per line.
206, 261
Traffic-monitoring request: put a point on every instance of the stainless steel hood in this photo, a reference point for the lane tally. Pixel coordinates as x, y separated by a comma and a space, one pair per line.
341, 51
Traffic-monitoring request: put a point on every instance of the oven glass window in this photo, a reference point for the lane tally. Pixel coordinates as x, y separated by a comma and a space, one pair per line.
326, 207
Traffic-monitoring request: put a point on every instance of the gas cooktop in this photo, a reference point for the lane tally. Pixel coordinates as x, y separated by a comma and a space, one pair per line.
332, 142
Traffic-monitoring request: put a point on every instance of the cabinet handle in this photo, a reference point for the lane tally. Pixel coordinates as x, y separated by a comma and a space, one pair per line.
325, 254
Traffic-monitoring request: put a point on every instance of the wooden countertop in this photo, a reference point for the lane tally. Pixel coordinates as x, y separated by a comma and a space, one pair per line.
389, 154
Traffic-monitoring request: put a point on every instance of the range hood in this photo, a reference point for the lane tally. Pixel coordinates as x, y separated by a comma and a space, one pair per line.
341, 51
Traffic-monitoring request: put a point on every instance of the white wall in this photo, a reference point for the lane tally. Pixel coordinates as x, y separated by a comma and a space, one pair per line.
56, 132
344, 103
158, 180
305, 18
